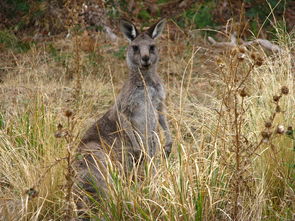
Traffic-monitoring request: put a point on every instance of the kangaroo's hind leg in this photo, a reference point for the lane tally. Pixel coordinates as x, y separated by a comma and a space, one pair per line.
92, 175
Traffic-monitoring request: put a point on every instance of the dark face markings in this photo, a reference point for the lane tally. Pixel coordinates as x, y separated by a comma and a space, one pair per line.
142, 51
135, 48
152, 48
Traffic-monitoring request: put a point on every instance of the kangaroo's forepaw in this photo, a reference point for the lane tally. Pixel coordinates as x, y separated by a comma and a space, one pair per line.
168, 148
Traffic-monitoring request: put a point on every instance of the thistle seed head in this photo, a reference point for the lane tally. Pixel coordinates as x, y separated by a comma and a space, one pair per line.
267, 124
289, 131
242, 49
278, 109
276, 98
265, 135
280, 129
234, 51
259, 61
285, 90
241, 56
243, 93
68, 113
32, 193
220, 62
59, 126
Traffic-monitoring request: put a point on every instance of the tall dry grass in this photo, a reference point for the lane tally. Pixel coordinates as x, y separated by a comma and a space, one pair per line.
231, 159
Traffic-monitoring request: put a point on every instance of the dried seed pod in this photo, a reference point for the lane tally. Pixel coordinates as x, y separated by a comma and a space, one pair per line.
241, 56
268, 124
242, 49
259, 61
234, 51
276, 98
278, 109
253, 56
289, 131
280, 129
220, 62
68, 113
59, 126
60, 133
265, 134
285, 90
243, 93
221, 65
32, 193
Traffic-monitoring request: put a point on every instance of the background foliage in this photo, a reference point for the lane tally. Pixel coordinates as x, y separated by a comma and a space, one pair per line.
47, 16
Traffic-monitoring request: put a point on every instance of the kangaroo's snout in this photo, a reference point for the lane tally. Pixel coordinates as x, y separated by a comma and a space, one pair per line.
145, 61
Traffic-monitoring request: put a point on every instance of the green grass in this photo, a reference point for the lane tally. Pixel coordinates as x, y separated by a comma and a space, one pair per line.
10, 41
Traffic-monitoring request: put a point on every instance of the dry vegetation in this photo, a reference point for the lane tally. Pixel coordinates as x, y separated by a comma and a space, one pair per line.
231, 115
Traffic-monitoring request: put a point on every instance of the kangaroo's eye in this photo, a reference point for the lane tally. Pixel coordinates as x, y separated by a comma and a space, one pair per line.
152, 48
135, 48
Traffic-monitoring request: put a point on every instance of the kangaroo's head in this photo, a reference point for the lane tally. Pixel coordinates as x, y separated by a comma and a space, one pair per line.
142, 52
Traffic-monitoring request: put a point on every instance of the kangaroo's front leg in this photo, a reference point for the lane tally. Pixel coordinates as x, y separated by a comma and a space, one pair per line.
126, 126
164, 124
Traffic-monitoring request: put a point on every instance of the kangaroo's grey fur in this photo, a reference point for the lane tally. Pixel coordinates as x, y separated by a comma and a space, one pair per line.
132, 121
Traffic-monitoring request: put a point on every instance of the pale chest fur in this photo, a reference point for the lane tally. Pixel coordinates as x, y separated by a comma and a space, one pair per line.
142, 105
146, 103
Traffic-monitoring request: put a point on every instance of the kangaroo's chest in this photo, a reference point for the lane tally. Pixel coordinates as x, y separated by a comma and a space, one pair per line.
144, 106
149, 97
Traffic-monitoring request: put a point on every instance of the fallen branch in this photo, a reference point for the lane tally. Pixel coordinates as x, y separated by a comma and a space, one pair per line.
233, 43
265, 44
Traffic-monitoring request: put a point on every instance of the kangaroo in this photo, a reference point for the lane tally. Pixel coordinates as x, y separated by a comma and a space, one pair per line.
130, 125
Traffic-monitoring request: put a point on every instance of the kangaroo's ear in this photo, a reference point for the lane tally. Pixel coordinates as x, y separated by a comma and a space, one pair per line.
156, 30
129, 30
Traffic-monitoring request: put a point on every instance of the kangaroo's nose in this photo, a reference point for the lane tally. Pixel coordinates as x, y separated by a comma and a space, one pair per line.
145, 58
